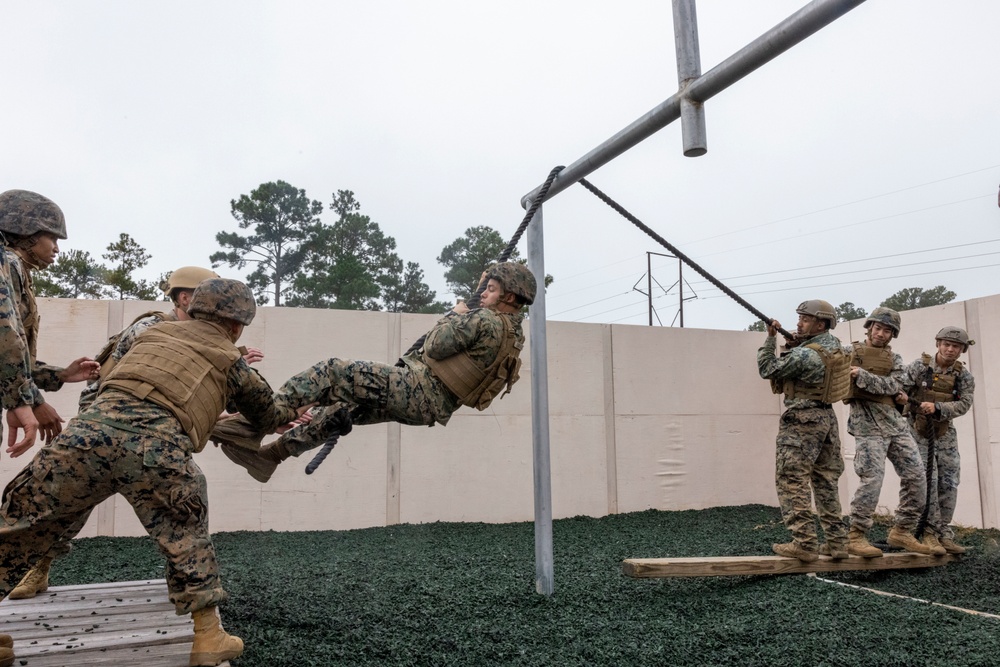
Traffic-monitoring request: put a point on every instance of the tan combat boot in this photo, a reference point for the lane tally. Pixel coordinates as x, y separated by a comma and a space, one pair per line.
858, 545
212, 645
6, 651
836, 551
793, 550
905, 540
931, 542
33, 583
951, 546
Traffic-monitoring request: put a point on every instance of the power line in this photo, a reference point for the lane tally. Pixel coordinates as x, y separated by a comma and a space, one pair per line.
836, 206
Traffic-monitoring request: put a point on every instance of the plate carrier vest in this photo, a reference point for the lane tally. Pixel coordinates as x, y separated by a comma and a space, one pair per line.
474, 386
181, 366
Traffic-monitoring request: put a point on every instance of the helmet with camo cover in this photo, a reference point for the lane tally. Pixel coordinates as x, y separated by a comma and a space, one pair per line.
514, 277
223, 297
186, 277
25, 213
821, 310
886, 316
955, 335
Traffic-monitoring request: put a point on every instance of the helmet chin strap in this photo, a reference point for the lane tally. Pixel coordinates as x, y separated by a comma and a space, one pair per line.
30, 258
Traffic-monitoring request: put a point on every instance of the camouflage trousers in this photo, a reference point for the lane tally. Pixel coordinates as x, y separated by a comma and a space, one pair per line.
90, 462
869, 464
945, 477
374, 392
808, 466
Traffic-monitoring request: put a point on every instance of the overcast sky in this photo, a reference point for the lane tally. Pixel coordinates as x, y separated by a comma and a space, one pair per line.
874, 140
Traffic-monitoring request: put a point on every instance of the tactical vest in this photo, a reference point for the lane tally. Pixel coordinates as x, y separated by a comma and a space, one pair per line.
181, 366
836, 379
474, 386
104, 357
875, 360
936, 388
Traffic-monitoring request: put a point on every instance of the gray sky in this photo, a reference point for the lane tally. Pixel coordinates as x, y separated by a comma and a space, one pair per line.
875, 138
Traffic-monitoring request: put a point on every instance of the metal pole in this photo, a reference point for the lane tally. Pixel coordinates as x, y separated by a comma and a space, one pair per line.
688, 70
680, 287
762, 50
544, 579
649, 285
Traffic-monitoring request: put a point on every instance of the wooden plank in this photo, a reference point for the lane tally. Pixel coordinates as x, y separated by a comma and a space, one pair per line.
123, 624
652, 568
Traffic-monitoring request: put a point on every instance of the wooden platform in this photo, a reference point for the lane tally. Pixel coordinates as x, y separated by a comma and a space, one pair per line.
652, 568
120, 624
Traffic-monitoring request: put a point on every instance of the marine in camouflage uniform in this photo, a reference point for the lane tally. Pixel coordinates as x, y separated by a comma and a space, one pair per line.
32, 226
943, 389
179, 287
137, 439
812, 376
466, 359
880, 431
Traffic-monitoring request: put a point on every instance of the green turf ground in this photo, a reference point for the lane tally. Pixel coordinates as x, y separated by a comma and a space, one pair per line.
463, 594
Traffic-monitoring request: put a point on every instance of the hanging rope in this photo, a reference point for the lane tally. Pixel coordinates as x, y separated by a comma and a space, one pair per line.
679, 255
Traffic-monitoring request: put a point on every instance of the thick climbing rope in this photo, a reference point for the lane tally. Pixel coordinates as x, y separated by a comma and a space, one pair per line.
678, 254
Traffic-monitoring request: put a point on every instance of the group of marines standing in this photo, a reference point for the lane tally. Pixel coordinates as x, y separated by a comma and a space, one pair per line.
898, 412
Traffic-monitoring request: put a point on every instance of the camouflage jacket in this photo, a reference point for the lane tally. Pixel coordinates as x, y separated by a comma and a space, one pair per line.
16, 385
798, 363
45, 376
869, 417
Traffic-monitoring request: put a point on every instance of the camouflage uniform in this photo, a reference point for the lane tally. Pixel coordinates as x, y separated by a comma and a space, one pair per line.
881, 432
46, 377
122, 444
127, 337
808, 445
16, 384
408, 393
945, 474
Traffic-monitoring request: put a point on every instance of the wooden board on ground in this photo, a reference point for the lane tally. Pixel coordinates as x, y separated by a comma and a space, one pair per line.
122, 624
652, 568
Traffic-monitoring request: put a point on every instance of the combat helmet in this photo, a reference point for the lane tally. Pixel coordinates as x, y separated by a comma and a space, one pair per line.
186, 277
886, 316
956, 335
514, 277
223, 297
24, 213
819, 309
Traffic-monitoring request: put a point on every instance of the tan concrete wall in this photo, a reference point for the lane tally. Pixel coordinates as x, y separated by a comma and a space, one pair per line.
641, 417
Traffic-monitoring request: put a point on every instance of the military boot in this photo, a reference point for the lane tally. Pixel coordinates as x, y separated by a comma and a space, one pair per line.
33, 583
260, 467
793, 550
931, 541
905, 540
836, 551
951, 546
212, 644
858, 545
6, 651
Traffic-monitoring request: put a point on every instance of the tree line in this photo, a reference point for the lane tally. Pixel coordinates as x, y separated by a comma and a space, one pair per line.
909, 298
294, 258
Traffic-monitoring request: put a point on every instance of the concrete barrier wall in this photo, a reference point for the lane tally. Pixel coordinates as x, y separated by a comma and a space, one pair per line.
641, 417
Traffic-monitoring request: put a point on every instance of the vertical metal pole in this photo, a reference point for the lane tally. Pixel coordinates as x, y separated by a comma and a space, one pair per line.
544, 581
649, 285
689, 69
680, 287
